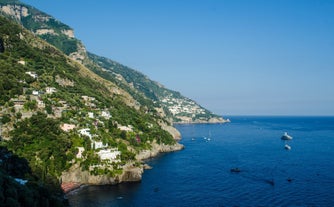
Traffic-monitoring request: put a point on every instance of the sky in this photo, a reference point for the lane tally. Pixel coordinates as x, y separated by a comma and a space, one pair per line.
233, 57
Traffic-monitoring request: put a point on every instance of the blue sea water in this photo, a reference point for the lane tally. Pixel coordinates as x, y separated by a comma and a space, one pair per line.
200, 174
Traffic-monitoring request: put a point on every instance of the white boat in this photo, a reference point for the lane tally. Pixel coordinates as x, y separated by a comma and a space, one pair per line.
287, 147
286, 136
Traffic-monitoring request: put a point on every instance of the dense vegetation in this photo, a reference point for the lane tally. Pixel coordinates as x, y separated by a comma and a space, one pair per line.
44, 144
32, 193
62, 42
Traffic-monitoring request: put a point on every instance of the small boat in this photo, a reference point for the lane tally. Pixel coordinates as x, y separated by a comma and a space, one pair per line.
235, 170
286, 136
287, 147
271, 182
289, 180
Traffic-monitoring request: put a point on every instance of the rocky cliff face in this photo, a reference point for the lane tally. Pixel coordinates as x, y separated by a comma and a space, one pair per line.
42, 21
76, 175
158, 148
17, 11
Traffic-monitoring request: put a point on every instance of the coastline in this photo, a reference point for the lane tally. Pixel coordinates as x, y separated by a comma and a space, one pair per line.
75, 178
218, 121
68, 187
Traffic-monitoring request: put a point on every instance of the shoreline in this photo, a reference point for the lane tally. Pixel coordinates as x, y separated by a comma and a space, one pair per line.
203, 122
129, 174
68, 187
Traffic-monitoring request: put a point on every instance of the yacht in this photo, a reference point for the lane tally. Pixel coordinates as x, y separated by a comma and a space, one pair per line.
287, 147
286, 136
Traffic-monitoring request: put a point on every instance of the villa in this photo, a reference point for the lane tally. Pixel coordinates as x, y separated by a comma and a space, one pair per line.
67, 127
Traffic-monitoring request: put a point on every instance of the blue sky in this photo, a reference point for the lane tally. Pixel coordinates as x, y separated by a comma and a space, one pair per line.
235, 57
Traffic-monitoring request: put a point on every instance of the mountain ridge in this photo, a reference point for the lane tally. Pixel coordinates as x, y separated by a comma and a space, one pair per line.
177, 107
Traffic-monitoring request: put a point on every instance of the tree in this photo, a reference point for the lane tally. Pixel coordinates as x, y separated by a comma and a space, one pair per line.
6, 118
18, 115
30, 105
48, 108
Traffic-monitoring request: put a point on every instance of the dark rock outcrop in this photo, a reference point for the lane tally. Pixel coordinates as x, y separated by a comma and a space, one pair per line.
2, 46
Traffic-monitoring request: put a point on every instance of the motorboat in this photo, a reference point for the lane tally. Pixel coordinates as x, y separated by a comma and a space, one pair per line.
286, 136
235, 170
287, 147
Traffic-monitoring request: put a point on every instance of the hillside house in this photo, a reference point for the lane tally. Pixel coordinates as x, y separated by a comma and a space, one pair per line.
80, 151
109, 154
22, 62
98, 145
106, 114
35, 93
85, 132
67, 127
32, 74
126, 128
40, 104
50, 90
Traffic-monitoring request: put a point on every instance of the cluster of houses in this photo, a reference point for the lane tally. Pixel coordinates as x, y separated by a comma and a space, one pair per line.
105, 152
178, 106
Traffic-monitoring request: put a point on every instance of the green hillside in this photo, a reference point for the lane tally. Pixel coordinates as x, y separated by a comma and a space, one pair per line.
161, 96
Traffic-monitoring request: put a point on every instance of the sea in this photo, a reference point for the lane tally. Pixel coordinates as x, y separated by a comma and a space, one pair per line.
267, 175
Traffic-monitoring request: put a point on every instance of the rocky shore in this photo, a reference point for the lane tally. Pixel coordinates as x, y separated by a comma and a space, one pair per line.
75, 177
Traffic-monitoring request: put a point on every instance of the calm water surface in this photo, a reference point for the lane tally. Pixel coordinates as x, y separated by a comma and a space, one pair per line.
200, 174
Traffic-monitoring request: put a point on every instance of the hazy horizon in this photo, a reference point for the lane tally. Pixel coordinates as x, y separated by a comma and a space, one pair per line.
232, 57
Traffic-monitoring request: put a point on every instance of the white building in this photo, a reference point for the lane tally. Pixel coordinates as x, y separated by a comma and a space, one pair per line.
80, 151
67, 127
125, 128
22, 62
106, 114
40, 104
94, 144
91, 115
50, 90
109, 154
35, 93
98, 145
32, 74
85, 132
